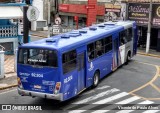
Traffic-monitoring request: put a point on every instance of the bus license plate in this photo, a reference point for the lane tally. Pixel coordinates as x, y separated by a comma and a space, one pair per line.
37, 87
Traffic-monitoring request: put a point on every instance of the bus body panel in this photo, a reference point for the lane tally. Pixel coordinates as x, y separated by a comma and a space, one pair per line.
135, 41
73, 82
81, 67
38, 79
69, 85
102, 63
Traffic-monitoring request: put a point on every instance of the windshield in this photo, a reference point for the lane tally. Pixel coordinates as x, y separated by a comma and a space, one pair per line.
38, 57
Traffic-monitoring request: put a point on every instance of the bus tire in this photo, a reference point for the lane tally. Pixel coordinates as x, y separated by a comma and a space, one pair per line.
96, 79
128, 58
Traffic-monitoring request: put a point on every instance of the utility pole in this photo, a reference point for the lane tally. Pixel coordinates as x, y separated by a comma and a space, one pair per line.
49, 16
25, 25
149, 28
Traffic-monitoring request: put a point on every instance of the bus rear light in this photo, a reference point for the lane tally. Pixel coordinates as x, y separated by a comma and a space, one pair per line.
57, 87
19, 83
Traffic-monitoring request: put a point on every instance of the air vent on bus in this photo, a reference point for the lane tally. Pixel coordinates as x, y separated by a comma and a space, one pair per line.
51, 40
65, 36
101, 26
74, 34
93, 28
82, 31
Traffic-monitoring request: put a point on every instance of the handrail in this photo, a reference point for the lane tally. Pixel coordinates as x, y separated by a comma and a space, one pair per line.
2, 47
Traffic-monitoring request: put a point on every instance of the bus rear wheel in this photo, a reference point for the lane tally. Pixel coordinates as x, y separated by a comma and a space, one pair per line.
128, 58
96, 79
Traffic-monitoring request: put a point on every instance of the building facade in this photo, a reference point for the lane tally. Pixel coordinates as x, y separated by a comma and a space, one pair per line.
90, 12
138, 10
11, 28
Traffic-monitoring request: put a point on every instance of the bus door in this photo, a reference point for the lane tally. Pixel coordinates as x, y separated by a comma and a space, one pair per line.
81, 70
115, 54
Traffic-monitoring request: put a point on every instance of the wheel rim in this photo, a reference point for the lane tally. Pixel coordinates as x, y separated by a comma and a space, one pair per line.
96, 79
129, 58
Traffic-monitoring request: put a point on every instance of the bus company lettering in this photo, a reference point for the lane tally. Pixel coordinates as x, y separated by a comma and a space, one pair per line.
36, 60
91, 67
37, 75
66, 80
24, 74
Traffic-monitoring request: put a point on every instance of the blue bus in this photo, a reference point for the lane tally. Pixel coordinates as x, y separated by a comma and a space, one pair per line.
62, 66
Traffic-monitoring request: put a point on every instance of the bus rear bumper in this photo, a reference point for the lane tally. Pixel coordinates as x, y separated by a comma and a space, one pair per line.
39, 94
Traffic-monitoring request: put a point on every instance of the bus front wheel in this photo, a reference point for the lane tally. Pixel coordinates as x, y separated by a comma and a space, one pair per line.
96, 79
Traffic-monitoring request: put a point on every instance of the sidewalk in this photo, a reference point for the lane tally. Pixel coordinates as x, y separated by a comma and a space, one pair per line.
10, 79
43, 34
152, 53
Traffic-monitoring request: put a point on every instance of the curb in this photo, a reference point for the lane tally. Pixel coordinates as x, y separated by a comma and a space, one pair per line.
38, 35
9, 86
145, 54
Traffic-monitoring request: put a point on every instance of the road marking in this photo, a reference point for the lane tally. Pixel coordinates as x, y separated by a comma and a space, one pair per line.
77, 111
128, 100
151, 111
128, 111
94, 97
103, 87
109, 99
100, 111
148, 55
148, 83
155, 87
7, 91
121, 102
93, 91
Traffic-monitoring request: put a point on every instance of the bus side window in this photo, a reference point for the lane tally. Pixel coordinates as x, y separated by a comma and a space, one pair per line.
69, 61
52, 58
108, 44
123, 37
129, 34
99, 48
90, 51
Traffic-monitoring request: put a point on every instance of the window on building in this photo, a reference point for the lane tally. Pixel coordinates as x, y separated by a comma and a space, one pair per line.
69, 61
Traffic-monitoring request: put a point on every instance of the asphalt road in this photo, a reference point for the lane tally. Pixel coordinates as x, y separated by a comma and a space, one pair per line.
135, 83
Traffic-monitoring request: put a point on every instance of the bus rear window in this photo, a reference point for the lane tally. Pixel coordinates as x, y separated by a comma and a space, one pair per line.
38, 57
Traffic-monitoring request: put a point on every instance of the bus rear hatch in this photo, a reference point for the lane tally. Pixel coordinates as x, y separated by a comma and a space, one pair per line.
38, 70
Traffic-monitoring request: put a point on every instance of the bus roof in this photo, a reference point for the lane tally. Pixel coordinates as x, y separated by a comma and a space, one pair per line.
79, 37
